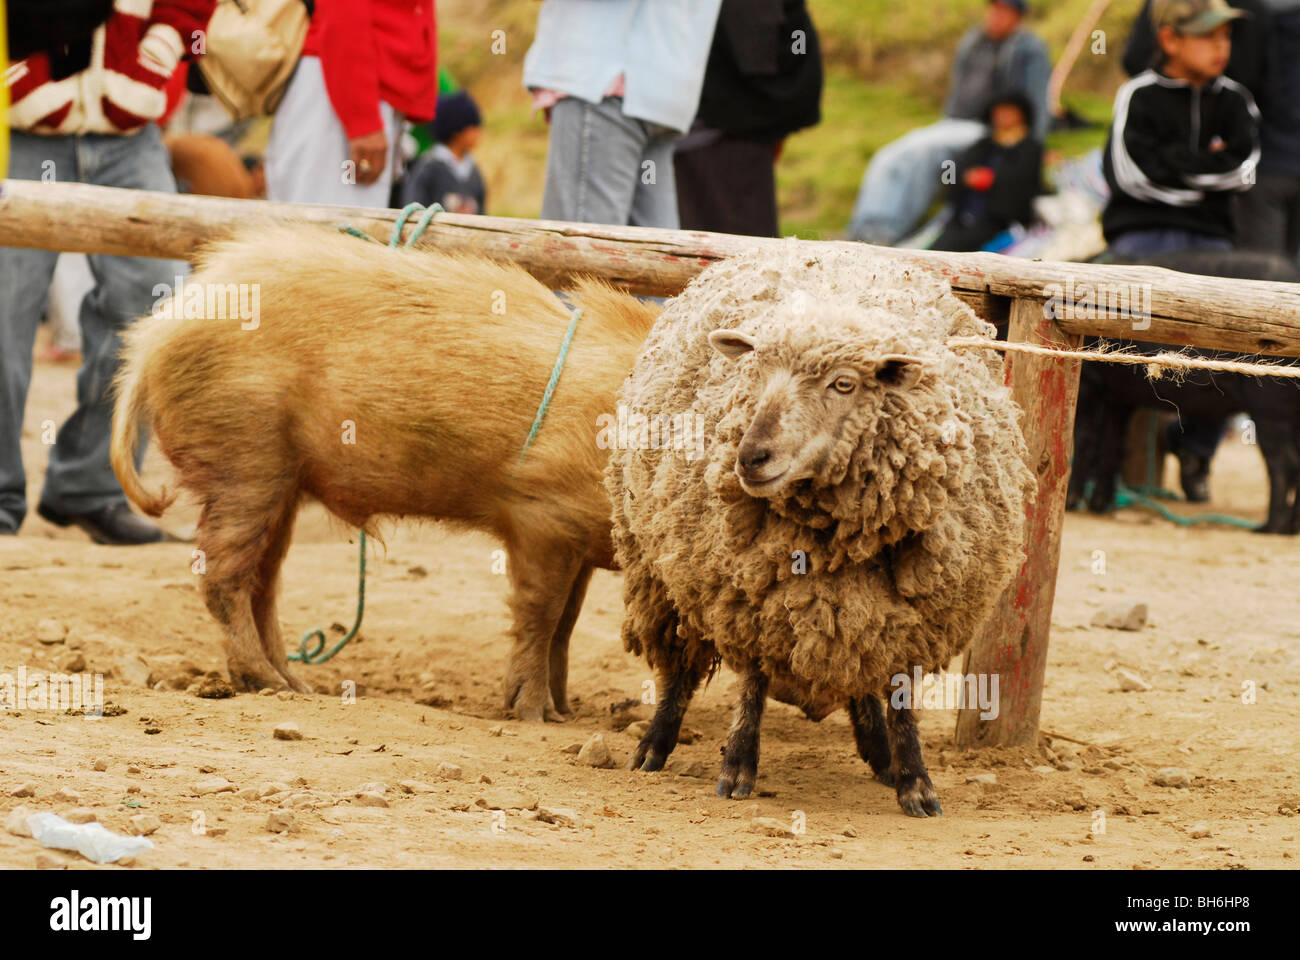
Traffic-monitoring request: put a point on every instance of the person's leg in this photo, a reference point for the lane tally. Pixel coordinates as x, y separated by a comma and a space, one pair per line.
24, 287
80, 480
593, 163
1260, 215
903, 177
728, 186
307, 153
654, 201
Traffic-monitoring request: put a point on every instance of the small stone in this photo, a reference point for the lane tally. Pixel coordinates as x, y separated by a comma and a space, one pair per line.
495, 730
1172, 777
67, 794
637, 728
848, 831
81, 815
837, 853
687, 735
248, 793
266, 692
449, 771
1199, 831
560, 816
24, 790
270, 789
1130, 682
416, 786
134, 669
505, 799
770, 827
374, 786
368, 798
284, 821
1088, 858
287, 731
983, 779
574, 747
595, 753
284, 695
214, 688
209, 785
133, 769
51, 631
1122, 616
16, 822
74, 662
100, 764
145, 823
1043, 769
690, 768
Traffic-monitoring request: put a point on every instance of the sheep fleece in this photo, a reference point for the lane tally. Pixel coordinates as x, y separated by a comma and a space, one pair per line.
910, 535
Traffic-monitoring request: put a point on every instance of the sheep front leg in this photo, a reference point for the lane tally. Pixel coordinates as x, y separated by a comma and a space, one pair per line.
915, 791
740, 756
872, 737
677, 686
542, 581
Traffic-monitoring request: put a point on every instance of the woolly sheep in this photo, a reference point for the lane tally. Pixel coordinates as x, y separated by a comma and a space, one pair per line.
844, 438
436, 364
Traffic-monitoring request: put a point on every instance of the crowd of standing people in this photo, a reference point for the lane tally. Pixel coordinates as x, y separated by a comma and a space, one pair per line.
661, 113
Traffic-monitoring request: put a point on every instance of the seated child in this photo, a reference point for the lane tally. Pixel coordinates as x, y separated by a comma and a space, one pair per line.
447, 174
996, 179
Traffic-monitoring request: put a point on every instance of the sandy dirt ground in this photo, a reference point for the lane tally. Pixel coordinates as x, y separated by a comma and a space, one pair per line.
428, 665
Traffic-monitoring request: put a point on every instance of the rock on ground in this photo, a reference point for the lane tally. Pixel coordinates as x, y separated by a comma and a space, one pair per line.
595, 753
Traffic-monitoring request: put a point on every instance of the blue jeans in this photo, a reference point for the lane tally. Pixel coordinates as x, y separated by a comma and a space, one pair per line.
904, 177
79, 478
603, 166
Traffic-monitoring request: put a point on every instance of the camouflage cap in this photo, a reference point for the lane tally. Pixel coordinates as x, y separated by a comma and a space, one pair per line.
1193, 18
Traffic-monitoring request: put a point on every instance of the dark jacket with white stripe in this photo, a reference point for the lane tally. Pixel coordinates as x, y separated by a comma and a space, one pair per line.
1158, 162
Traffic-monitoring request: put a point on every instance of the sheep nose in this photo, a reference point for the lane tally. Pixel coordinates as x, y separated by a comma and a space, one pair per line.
754, 457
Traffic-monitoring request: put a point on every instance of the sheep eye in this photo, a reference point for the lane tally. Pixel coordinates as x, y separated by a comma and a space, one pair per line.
844, 384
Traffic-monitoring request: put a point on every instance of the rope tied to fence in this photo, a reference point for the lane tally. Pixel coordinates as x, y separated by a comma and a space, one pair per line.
1157, 364
311, 648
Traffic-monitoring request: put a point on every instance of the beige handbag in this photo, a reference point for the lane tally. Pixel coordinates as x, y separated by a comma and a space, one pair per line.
251, 50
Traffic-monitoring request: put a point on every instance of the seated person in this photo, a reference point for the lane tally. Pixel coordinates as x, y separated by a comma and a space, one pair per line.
996, 179
447, 174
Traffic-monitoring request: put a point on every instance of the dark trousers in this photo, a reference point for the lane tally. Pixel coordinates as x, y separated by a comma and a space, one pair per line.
1268, 215
728, 186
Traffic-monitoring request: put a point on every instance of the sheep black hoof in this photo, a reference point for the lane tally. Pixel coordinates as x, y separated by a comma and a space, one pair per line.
647, 758
917, 797
736, 784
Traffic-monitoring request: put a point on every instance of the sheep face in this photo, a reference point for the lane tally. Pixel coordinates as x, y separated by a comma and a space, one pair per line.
809, 408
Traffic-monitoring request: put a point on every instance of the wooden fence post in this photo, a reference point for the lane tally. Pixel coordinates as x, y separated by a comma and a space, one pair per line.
1014, 645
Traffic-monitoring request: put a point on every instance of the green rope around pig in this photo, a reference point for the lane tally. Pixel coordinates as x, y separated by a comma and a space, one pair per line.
311, 649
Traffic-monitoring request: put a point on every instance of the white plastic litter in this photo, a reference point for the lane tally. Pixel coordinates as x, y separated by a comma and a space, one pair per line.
91, 840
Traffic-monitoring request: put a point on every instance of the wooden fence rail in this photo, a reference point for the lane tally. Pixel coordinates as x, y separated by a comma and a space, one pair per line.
1053, 304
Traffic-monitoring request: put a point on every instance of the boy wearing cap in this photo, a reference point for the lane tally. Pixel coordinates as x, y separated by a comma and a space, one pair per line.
447, 174
1184, 139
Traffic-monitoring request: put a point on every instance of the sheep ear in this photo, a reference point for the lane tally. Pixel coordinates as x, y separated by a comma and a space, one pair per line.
899, 371
732, 344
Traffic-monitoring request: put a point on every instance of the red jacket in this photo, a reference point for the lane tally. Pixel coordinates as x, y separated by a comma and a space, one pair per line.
133, 56
372, 51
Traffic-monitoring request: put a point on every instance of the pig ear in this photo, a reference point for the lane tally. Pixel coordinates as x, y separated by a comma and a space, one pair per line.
732, 344
899, 371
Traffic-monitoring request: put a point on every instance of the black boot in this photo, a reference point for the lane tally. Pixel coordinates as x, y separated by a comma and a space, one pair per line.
113, 525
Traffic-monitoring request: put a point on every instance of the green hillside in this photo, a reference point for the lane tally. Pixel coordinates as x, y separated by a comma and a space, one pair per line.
886, 72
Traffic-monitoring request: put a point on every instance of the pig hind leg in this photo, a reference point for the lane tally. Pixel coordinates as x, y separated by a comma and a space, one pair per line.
280, 533
542, 578
559, 652
235, 536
